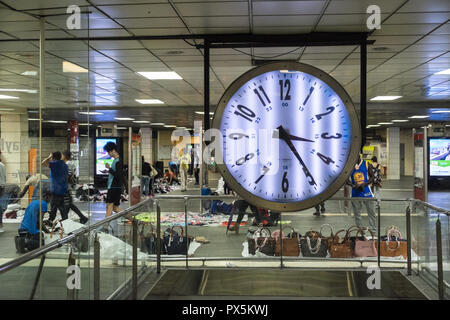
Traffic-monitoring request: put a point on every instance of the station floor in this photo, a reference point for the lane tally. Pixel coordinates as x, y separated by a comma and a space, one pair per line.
221, 244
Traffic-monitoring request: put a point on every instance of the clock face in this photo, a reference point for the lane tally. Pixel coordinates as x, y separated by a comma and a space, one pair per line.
290, 136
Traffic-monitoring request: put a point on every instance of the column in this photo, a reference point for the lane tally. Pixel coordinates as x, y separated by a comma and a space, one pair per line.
146, 144
393, 150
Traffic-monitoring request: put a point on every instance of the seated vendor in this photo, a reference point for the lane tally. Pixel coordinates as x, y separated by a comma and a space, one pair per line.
28, 238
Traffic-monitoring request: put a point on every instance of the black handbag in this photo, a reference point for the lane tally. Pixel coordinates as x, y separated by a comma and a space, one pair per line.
148, 240
176, 244
264, 244
313, 244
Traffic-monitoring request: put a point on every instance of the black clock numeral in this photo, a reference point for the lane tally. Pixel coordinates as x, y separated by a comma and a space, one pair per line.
309, 95
265, 170
246, 113
325, 136
242, 160
237, 136
259, 96
325, 159
287, 83
330, 110
285, 183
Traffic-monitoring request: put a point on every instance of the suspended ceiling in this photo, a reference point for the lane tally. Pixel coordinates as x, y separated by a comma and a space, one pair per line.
411, 46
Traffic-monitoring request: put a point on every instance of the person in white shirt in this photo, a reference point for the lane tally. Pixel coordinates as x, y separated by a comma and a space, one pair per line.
2, 189
184, 168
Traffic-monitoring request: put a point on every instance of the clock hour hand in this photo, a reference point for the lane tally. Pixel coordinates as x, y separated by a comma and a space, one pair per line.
295, 138
285, 136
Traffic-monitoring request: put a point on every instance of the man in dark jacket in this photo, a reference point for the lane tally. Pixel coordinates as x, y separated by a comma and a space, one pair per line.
58, 187
115, 179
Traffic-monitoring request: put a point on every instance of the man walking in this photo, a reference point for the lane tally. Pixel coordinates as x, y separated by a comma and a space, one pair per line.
115, 180
184, 168
59, 172
67, 156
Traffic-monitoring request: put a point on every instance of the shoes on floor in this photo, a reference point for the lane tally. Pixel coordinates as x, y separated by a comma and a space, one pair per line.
83, 220
322, 210
317, 214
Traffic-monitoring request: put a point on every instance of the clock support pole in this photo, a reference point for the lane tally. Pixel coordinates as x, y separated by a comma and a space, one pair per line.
363, 92
206, 122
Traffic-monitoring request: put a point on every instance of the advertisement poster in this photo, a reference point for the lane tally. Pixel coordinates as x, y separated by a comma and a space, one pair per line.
101, 156
440, 157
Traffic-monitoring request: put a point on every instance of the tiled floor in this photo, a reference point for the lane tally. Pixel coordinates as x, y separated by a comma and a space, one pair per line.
231, 245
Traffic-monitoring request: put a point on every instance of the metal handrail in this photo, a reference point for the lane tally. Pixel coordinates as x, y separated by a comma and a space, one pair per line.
59, 243
200, 197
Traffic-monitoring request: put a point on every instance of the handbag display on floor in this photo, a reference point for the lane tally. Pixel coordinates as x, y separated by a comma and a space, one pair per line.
365, 248
314, 245
260, 243
351, 238
392, 245
176, 244
291, 246
340, 248
147, 239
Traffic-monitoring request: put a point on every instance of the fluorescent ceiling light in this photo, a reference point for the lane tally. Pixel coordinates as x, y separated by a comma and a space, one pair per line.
141, 121
124, 119
6, 109
441, 111
121, 128
418, 117
166, 75
201, 112
19, 90
158, 124
399, 120
29, 73
373, 125
33, 119
56, 121
2, 96
385, 98
443, 72
149, 101
85, 124
385, 123
71, 67
90, 113
170, 126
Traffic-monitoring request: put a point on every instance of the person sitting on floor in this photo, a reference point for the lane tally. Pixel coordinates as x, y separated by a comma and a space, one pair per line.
28, 238
170, 178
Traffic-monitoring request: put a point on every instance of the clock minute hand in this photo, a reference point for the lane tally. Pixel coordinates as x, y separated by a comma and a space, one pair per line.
285, 136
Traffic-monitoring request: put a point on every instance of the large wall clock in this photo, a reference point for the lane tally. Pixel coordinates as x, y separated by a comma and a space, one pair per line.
311, 118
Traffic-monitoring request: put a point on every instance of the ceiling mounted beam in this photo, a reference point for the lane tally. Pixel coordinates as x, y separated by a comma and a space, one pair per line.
309, 39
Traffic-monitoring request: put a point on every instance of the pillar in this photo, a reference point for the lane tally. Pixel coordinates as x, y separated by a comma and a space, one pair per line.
393, 150
146, 144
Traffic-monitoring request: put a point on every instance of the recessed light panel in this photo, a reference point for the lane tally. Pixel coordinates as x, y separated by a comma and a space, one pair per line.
385, 98
149, 101
165, 75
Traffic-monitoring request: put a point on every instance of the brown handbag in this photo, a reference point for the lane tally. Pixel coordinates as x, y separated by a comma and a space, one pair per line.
290, 244
395, 248
340, 249
365, 248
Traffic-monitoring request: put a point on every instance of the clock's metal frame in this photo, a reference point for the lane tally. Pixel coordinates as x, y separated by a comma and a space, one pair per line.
354, 149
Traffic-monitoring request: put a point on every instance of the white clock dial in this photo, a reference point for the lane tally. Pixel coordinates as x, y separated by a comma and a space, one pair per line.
310, 125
